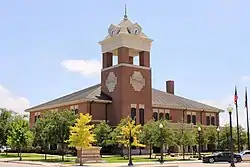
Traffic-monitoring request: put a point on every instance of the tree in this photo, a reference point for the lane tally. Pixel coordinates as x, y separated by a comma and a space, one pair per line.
151, 135
185, 137
19, 135
126, 127
5, 120
59, 123
208, 136
243, 137
102, 134
115, 134
81, 135
148, 135
42, 135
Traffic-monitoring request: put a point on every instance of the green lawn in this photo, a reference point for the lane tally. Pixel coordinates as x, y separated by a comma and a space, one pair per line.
39, 157
118, 159
71, 160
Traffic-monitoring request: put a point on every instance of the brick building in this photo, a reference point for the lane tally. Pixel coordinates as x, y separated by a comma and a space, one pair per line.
126, 88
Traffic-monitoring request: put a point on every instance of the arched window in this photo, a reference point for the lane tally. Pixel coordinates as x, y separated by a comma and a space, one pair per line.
161, 116
208, 120
133, 114
167, 116
212, 120
194, 119
141, 115
155, 115
188, 119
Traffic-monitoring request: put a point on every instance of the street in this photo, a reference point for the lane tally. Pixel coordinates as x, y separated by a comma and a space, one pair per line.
3, 164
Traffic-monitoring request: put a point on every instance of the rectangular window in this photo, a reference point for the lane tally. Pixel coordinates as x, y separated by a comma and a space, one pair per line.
133, 114
208, 120
194, 119
155, 115
141, 113
212, 120
188, 119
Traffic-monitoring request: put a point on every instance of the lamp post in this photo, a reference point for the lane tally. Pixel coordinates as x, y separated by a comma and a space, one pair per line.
140, 147
199, 135
218, 137
230, 110
161, 127
131, 140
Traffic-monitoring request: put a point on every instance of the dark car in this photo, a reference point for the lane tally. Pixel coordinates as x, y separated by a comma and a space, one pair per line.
221, 157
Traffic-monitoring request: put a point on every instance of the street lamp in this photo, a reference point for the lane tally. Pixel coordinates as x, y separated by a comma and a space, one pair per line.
230, 110
218, 137
199, 135
131, 140
161, 127
140, 147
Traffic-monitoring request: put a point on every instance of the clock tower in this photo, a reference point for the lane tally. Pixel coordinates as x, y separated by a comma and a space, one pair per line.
128, 85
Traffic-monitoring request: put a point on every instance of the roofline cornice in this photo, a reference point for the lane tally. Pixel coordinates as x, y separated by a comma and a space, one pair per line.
66, 104
184, 108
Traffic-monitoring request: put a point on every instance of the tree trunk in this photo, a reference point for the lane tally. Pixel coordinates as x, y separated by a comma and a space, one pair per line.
20, 155
81, 163
150, 151
62, 151
128, 152
183, 152
122, 155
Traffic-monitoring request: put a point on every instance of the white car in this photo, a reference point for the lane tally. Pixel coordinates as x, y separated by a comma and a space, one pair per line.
245, 155
4, 149
1, 150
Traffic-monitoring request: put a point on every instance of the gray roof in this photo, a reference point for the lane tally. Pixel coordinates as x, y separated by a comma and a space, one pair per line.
158, 98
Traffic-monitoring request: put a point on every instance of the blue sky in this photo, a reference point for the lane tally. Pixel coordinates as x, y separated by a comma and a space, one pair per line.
202, 45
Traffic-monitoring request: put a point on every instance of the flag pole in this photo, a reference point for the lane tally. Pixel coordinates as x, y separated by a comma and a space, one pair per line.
246, 105
237, 118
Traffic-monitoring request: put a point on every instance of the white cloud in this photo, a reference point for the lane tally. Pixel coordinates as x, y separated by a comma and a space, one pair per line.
87, 68
11, 101
245, 78
223, 104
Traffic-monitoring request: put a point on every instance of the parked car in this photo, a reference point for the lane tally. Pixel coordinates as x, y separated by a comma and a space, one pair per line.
245, 155
221, 157
4, 149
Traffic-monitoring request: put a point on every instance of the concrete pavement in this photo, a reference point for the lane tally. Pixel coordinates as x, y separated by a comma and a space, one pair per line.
142, 164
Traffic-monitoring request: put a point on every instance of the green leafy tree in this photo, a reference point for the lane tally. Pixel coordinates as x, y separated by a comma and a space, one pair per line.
58, 123
115, 134
151, 134
19, 135
81, 135
211, 135
185, 137
102, 134
148, 136
42, 135
5, 121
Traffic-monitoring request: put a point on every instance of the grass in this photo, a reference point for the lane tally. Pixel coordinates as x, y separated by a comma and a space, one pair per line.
118, 159
40, 157
71, 160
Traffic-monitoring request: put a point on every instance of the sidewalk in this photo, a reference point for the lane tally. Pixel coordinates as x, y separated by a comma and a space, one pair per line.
14, 160
139, 164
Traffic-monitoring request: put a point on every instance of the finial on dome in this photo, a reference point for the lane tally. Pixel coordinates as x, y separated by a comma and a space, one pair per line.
125, 13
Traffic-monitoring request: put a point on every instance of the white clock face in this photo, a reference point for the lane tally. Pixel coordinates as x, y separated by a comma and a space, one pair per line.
111, 82
137, 81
